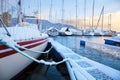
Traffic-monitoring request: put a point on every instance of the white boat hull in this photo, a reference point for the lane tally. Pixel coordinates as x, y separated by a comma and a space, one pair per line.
67, 33
13, 64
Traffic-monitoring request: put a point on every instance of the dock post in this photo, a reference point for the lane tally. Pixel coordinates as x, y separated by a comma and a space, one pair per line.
82, 43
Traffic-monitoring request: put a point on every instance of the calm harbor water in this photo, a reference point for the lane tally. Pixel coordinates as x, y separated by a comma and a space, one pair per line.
73, 42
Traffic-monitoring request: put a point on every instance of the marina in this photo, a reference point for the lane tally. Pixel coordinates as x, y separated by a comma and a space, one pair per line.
59, 40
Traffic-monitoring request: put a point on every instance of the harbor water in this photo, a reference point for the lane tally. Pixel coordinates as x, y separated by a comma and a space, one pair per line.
73, 42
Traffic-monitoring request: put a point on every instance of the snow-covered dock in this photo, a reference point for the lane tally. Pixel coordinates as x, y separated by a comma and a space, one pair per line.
108, 49
82, 68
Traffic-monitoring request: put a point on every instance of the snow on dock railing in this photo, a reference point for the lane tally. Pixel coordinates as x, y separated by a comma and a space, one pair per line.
108, 49
82, 68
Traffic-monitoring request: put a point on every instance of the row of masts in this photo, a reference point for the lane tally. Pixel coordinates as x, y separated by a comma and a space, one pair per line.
63, 12
101, 16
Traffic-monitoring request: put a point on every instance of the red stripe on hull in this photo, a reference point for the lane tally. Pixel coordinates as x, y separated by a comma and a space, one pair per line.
11, 52
3, 47
22, 43
31, 41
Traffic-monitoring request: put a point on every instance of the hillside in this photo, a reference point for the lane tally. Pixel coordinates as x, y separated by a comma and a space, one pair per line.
45, 23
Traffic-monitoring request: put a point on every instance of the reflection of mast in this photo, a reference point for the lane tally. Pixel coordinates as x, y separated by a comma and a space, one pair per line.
84, 14
93, 14
76, 14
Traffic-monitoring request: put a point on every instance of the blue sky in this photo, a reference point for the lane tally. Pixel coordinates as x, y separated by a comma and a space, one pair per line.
30, 6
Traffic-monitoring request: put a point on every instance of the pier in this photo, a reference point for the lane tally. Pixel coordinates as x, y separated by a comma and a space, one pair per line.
82, 68
107, 49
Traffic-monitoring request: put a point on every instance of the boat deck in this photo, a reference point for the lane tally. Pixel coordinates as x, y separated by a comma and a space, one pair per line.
82, 68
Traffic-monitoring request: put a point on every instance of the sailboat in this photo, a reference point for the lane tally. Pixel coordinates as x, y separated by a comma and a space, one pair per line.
52, 31
64, 30
109, 32
24, 39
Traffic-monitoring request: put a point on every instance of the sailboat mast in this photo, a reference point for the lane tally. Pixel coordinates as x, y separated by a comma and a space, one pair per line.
76, 13
93, 14
101, 15
19, 11
56, 16
70, 18
62, 11
1, 1
50, 12
84, 14
40, 9
40, 23
109, 22
102, 18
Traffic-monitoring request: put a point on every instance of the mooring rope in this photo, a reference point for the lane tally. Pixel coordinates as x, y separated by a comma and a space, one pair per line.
38, 61
39, 52
10, 43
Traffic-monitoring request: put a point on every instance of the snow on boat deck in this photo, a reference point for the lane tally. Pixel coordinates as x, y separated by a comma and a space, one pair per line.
82, 68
